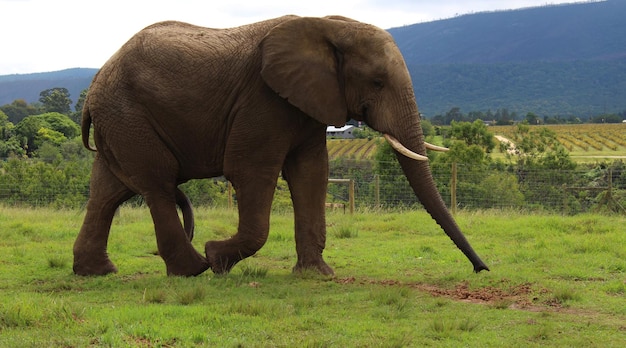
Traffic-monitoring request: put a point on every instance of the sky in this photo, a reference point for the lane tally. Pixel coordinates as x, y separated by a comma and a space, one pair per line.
50, 35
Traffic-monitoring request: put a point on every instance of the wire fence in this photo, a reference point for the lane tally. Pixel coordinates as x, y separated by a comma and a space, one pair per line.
462, 186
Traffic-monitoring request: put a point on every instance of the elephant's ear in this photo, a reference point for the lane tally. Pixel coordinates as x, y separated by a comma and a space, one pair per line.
301, 64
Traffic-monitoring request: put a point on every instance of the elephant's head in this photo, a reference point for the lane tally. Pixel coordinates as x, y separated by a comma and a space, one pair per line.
335, 69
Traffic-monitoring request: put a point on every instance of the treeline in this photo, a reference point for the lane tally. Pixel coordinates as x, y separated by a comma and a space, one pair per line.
503, 117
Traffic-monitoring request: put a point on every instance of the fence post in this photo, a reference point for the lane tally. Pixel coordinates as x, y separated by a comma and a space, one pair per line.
230, 195
453, 189
350, 183
351, 196
377, 190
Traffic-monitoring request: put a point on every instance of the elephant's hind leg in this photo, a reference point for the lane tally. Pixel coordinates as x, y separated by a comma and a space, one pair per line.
181, 259
90, 247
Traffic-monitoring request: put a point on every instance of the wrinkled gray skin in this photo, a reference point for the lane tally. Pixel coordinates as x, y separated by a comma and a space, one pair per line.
179, 102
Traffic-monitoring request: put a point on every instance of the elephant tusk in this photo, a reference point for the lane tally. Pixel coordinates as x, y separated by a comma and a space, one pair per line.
435, 147
403, 150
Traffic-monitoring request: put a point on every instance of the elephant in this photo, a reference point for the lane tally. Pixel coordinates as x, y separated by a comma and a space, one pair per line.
180, 102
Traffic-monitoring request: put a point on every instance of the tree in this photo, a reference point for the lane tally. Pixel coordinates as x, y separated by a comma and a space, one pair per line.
76, 116
18, 110
8, 143
365, 133
607, 118
52, 127
537, 148
531, 118
56, 100
531, 153
454, 115
6, 127
394, 187
474, 133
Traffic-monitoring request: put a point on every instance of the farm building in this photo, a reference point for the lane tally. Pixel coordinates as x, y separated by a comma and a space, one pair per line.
344, 132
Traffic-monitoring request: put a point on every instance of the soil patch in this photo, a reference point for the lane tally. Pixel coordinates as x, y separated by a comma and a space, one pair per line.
503, 295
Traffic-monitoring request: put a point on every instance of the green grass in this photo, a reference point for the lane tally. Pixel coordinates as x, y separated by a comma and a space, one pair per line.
555, 281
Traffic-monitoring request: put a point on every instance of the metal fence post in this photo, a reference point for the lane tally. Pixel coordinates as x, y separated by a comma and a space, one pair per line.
453, 189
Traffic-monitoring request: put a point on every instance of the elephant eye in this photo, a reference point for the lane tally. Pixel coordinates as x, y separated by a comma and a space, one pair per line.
378, 84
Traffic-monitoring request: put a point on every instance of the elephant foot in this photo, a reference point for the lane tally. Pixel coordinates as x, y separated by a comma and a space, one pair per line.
319, 266
221, 262
89, 266
186, 264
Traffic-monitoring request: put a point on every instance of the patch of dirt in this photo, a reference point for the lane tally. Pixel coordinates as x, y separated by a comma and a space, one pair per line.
505, 141
518, 296
503, 295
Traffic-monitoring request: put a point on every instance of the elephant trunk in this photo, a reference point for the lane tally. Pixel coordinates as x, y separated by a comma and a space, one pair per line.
421, 180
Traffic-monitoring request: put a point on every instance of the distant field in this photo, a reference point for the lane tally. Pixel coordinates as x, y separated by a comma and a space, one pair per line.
359, 149
583, 141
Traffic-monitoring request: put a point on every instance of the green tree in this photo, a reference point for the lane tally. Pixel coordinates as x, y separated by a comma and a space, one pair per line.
18, 110
394, 187
77, 115
52, 127
531, 118
454, 114
6, 127
35, 183
607, 118
474, 133
56, 100
536, 148
9, 144
427, 127
365, 132
541, 164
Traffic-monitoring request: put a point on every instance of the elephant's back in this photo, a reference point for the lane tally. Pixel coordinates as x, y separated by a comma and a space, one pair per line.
177, 51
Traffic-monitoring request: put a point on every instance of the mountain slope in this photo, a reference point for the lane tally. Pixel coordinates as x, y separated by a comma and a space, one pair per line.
28, 86
583, 31
551, 60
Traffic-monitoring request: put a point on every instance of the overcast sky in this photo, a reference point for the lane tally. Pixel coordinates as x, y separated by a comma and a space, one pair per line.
49, 35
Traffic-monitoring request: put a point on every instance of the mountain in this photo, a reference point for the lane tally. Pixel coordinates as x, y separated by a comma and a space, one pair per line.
28, 86
554, 33
567, 60
551, 60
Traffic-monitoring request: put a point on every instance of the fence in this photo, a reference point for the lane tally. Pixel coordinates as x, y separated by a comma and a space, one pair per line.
461, 186
467, 187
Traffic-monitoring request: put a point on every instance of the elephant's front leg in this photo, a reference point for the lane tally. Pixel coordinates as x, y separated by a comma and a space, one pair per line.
307, 175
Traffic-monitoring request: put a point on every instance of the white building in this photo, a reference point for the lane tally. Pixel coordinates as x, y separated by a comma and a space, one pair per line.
341, 132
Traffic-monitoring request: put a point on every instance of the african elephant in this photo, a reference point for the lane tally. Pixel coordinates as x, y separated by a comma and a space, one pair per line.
180, 102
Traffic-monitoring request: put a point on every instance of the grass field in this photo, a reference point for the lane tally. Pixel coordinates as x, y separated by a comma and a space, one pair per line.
555, 281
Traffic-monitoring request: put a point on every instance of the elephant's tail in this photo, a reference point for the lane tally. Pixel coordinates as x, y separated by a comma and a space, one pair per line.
86, 127
185, 206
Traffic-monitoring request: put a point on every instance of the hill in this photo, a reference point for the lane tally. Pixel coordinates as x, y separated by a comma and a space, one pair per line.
28, 86
550, 60
553, 33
